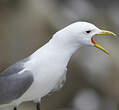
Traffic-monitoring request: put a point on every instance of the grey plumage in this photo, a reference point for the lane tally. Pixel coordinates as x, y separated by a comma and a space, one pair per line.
15, 68
12, 84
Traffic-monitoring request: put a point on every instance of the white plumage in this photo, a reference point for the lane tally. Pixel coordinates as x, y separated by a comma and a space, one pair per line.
48, 64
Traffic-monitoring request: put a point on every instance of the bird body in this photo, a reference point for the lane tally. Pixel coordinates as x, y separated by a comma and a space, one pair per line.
48, 66
45, 70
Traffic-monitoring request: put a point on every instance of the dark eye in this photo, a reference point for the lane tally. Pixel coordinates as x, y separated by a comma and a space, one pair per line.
88, 31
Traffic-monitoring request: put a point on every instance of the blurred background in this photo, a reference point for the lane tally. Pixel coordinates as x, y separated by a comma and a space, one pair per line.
93, 77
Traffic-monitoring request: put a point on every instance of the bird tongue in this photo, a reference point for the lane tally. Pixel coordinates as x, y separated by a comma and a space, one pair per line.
92, 40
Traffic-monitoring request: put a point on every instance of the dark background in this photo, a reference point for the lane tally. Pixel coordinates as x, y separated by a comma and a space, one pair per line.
93, 77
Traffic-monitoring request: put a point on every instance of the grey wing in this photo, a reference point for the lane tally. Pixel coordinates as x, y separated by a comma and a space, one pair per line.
15, 68
12, 84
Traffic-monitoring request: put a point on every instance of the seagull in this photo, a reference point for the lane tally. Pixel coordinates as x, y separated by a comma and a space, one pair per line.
44, 71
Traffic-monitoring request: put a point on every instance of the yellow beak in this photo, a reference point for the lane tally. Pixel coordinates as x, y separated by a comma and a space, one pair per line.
104, 32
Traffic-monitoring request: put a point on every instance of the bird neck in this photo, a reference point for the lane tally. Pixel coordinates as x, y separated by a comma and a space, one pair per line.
63, 45
58, 48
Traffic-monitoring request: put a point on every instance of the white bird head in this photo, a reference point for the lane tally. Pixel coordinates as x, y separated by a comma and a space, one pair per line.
82, 33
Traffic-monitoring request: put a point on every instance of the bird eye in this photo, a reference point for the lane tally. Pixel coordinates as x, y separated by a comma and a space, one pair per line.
88, 31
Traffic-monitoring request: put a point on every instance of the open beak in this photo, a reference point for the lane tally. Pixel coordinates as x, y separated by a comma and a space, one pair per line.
103, 32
